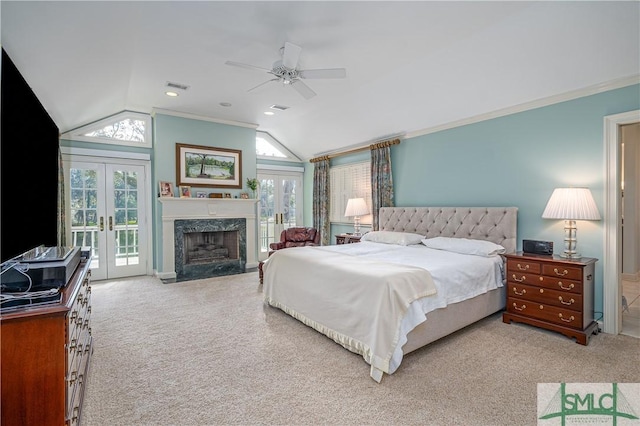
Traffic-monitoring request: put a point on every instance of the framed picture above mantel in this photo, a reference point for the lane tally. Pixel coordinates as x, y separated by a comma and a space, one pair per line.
198, 165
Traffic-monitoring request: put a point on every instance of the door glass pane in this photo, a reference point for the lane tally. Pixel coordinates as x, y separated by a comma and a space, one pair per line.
125, 201
288, 207
267, 205
84, 214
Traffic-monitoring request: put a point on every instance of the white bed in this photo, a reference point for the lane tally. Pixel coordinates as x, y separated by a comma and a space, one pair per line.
391, 295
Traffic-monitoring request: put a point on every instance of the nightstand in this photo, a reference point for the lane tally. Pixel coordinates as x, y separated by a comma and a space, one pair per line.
347, 238
553, 293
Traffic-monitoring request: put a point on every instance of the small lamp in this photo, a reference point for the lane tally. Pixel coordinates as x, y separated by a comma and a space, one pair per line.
356, 207
571, 204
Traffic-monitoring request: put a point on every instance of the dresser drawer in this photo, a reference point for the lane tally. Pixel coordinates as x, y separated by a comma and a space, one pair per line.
545, 312
574, 287
523, 278
524, 266
562, 271
542, 295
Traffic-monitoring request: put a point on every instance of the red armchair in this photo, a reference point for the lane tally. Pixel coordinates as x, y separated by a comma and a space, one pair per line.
297, 237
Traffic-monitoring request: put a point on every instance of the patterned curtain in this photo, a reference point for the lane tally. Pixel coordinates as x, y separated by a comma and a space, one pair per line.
381, 179
321, 195
62, 229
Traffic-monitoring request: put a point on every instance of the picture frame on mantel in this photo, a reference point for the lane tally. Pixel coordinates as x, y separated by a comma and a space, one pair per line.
199, 166
166, 189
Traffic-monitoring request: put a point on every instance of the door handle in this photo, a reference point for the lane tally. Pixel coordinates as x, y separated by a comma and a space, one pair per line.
110, 223
101, 223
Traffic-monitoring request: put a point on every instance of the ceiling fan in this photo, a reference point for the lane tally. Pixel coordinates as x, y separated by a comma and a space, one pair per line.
286, 71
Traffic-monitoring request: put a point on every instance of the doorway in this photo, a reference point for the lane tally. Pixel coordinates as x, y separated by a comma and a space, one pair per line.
107, 211
281, 203
613, 250
630, 228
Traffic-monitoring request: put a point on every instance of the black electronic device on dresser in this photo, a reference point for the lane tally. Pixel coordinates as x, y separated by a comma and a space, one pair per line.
537, 247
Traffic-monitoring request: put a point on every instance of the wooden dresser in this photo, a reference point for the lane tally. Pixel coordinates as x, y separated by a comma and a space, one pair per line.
553, 293
45, 357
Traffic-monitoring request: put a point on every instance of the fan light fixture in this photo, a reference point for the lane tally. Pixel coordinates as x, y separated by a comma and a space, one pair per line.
356, 207
571, 204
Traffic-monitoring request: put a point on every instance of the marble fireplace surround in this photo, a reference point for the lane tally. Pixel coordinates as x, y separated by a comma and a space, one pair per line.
204, 208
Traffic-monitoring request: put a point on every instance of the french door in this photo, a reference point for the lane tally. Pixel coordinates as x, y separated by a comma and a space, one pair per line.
281, 202
107, 211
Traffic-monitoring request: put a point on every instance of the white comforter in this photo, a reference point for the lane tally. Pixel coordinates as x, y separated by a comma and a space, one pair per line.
369, 296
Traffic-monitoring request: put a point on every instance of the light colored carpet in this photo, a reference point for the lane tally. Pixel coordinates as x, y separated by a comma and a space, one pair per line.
209, 352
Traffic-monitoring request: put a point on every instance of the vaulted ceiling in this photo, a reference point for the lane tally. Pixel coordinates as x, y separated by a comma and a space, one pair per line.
410, 66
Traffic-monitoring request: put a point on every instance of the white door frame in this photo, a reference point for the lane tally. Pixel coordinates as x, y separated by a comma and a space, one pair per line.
119, 157
612, 262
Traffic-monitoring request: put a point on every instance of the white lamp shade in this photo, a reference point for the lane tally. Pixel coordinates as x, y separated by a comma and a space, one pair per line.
356, 207
571, 204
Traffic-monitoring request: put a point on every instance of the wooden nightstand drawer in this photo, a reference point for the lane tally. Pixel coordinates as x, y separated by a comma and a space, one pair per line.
523, 266
562, 271
542, 295
522, 278
560, 285
565, 317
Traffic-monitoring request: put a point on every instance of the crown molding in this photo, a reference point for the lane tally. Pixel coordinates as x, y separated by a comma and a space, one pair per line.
538, 103
201, 118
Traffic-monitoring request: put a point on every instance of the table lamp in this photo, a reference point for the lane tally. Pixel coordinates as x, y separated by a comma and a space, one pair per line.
571, 204
356, 207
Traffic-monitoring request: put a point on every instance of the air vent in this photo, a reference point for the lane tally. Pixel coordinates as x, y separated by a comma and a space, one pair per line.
279, 107
177, 85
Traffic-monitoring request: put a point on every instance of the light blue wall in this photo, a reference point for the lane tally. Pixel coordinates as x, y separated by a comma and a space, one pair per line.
169, 130
516, 160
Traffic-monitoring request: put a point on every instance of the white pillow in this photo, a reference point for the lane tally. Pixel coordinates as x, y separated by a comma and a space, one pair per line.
390, 237
464, 246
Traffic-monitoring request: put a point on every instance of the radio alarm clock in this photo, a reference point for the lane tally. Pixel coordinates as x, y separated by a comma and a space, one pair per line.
537, 247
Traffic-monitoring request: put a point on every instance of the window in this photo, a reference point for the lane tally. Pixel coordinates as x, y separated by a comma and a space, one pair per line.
126, 128
267, 147
349, 181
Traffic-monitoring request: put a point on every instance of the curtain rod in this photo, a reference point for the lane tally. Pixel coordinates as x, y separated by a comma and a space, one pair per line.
376, 145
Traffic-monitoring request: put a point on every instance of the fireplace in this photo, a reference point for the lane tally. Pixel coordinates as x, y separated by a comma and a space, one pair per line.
209, 248
206, 215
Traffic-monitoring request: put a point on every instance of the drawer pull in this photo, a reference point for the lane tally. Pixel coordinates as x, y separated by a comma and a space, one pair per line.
519, 309
571, 318
515, 290
565, 288
519, 280
562, 274
75, 417
73, 377
73, 316
570, 302
526, 267
72, 345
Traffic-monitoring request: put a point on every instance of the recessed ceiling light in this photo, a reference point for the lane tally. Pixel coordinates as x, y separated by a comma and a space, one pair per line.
269, 113
225, 104
172, 94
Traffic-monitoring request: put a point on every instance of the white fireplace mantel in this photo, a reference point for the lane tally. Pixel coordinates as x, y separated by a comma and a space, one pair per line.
204, 208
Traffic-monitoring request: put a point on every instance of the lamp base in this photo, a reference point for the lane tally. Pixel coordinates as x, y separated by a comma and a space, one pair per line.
570, 255
356, 226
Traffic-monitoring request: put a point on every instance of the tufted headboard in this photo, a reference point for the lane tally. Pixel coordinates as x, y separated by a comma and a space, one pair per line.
496, 224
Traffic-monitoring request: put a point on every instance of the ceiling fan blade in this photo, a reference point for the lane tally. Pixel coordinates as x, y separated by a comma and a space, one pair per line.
325, 73
291, 55
251, 67
262, 84
303, 89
